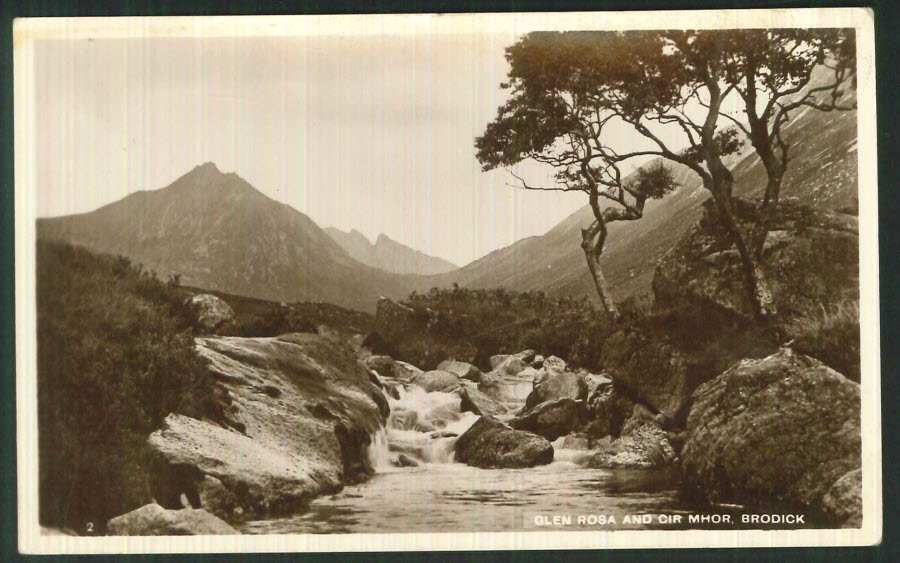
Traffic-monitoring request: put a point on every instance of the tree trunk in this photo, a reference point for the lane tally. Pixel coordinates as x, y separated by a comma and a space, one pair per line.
756, 281
593, 261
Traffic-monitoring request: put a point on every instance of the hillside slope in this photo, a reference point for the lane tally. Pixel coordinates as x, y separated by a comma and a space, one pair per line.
220, 233
388, 254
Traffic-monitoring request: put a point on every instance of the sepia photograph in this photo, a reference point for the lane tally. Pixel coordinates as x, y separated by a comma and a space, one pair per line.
482, 281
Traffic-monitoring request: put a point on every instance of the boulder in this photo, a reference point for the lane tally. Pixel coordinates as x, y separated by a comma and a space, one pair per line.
512, 364
491, 444
651, 369
537, 362
811, 257
554, 364
505, 388
643, 445
473, 400
437, 380
595, 381
406, 370
463, 370
154, 520
208, 312
557, 385
608, 408
274, 453
384, 365
784, 428
843, 502
404, 460
388, 368
553, 419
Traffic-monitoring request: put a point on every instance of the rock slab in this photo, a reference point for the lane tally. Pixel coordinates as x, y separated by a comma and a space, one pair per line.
272, 451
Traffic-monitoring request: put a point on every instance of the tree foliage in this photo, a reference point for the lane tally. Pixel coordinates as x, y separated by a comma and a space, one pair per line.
588, 102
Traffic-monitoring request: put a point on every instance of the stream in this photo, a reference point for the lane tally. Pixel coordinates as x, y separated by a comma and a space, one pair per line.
439, 495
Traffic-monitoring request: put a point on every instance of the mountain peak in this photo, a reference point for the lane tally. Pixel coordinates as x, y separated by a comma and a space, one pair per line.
209, 166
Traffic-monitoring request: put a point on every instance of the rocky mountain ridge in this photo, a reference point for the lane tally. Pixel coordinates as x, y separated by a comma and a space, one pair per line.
388, 254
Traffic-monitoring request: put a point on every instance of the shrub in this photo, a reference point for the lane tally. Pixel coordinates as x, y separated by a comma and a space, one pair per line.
115, 356
500, 321
271, 322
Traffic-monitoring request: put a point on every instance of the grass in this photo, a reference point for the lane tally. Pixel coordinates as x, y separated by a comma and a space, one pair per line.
115, 356
831, 335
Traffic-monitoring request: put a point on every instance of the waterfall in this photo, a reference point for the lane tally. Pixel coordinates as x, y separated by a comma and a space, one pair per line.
422, 427
378, 452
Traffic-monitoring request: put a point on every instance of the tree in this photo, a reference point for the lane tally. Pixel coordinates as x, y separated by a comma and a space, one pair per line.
552, 118
669, 90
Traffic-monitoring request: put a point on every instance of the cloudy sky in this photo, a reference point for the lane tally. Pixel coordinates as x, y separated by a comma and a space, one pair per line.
373, 133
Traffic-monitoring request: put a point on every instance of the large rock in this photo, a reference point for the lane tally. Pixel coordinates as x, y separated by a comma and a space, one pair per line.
843, 502
296, 414
154, 520
473, 400
384, 365
464, 370
553, 364
208, 311
785, 428
437, 380
553, 419
406, 370
557, 385
811, 257
387, 367
491, 444
642, 445
608, 408
595, 381
512, 364
653, 371
505, 388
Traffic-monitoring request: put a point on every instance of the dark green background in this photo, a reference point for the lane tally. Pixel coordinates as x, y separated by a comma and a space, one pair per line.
887, 69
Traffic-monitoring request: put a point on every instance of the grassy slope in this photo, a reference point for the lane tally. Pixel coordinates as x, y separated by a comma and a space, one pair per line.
115, 356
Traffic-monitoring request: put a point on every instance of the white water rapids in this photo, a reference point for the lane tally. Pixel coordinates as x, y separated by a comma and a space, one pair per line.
422, 426
438, 495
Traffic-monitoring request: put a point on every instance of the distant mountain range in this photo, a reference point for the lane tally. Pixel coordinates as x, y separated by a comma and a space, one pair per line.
220, 233
388, 254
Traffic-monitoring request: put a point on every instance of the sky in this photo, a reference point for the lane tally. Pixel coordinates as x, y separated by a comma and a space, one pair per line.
373, 133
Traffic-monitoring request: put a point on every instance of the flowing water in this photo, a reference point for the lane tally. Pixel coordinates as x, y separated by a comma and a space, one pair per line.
439, 495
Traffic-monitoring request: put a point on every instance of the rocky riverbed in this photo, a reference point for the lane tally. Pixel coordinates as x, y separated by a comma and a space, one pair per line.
304, 447
693, 413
